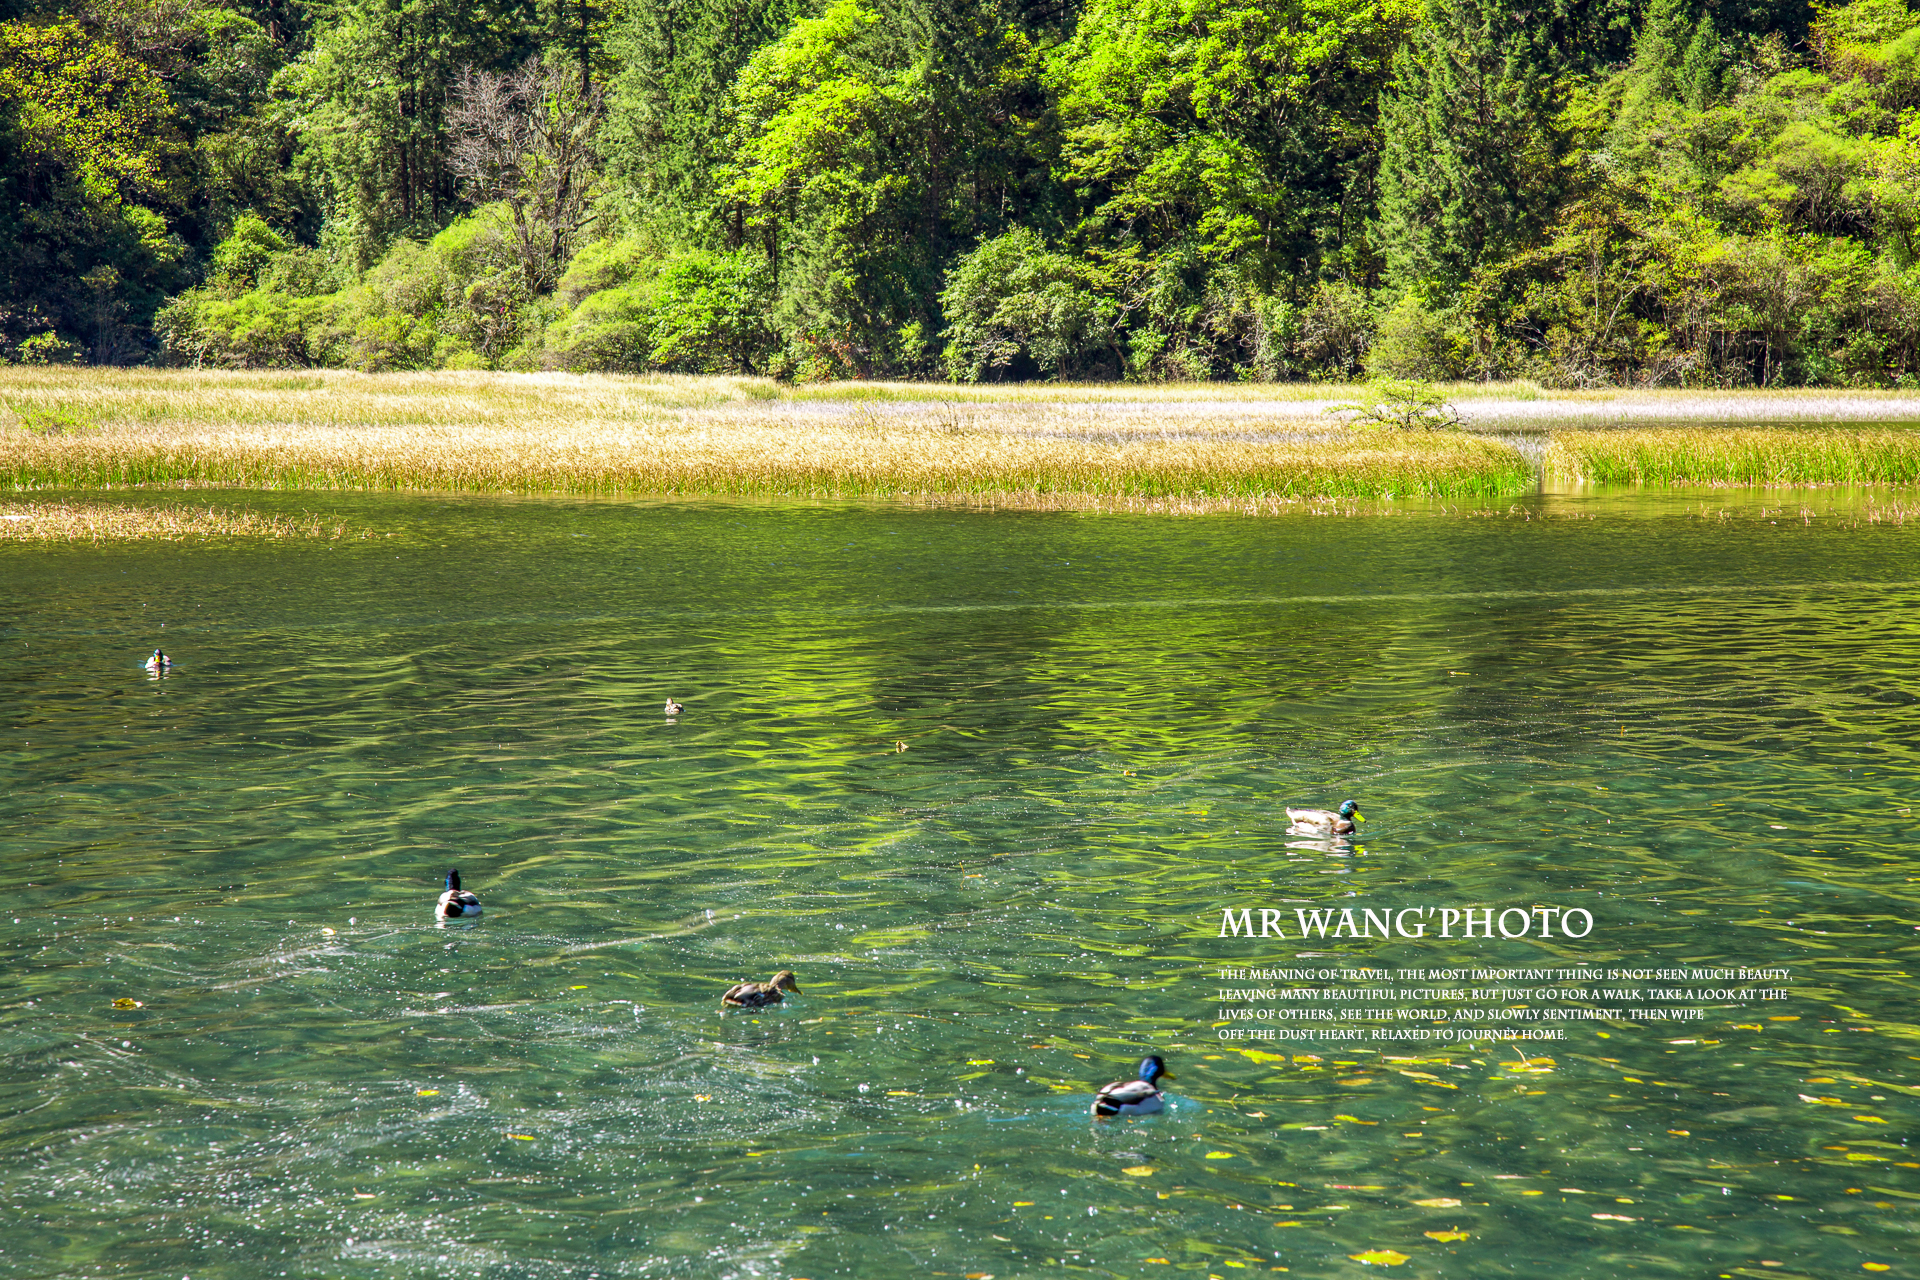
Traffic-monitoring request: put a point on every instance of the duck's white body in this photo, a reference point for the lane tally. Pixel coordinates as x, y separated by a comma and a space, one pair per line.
158, 662
456, 903
1325, 821
1129, 1098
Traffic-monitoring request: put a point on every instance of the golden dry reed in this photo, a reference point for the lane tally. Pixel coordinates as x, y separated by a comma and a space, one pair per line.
1736, 456
705, 437
115, 522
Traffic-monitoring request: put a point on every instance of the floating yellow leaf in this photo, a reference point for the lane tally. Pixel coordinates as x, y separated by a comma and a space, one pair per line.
1857, 1155
326, 933
1444, 1236
981, 1062
1219, 1155
1681, 1133
1876, 1266
1825, 1102
124, 1003
582, 987
900, 1093
1439, 1202
703, 1097
1614, 1217
1023, 1204
1379, 1257
428, 1093
1139, 1171
521, 1137
1533, 1193
1870, 1119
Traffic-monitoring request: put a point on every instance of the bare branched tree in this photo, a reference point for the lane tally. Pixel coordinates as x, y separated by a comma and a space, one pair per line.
526, 138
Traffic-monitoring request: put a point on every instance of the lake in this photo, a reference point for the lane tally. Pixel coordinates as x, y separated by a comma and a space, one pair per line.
987, 782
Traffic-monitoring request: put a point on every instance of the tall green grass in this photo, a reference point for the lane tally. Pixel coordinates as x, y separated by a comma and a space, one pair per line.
1720, 455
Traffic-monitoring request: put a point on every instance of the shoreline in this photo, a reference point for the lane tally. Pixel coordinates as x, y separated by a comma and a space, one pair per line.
1149, 450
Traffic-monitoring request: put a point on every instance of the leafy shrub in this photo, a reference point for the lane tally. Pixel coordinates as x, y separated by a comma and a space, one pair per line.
238, 261
1412, 343
47, 348
1014, 308
691, 312
1335, 332
1395, 404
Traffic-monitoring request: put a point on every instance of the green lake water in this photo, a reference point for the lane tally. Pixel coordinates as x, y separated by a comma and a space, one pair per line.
1694, 718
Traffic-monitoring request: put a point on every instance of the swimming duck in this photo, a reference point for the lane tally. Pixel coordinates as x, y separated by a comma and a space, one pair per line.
158, 662
674, 708
757, 995
1134, 1097
1341, 823
456, 902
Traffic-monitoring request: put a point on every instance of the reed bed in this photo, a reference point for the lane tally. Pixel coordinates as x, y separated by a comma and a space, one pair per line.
1736, 456
487, 433
116, 522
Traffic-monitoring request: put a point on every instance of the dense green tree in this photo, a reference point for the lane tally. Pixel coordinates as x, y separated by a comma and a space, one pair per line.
1471, 168
368, 104
670, 127
94, 166
872, 144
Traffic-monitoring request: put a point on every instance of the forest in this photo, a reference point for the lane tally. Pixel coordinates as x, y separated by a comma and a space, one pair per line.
1585, 193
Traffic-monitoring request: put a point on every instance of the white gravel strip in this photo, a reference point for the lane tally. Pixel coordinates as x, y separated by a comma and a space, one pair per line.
1583, 408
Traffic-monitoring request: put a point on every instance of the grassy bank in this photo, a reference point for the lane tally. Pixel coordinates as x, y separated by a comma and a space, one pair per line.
1745, 456
119, 522
711, 437
1193, 448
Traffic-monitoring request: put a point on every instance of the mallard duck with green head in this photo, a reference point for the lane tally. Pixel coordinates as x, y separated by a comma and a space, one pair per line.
1343, 821
1141, 1097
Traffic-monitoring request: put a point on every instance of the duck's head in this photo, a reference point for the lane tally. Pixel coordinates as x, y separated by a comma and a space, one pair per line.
783, 981
453, 882
1153, 1069
1348, 809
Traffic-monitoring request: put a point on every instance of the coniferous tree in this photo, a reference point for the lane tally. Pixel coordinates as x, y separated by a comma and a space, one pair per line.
670, 124
1703, 66
1470, 159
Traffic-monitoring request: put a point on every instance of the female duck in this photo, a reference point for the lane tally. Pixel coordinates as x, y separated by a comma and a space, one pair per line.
1140, 1097
674, 708
1340, 823
456, 902
758, 995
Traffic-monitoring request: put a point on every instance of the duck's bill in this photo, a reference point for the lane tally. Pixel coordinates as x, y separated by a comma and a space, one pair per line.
1359, 816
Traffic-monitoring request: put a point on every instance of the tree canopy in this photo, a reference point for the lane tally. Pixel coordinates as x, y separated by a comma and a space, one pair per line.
1714, 192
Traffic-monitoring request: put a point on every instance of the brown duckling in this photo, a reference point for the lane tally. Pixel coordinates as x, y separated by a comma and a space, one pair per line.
757, 995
